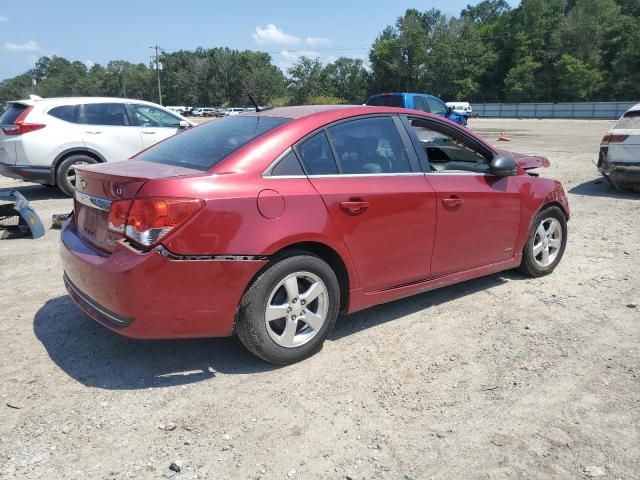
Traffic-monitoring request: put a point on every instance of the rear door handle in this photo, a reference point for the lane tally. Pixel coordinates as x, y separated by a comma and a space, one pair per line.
452, 202
354, 206
93, 132
149, 132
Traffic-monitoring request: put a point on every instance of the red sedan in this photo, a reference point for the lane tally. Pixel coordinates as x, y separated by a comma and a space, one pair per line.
269, 224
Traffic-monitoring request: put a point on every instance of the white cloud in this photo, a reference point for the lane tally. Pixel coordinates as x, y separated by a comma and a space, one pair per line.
89, 63
30, 46
317, 41
274, 35
3, 19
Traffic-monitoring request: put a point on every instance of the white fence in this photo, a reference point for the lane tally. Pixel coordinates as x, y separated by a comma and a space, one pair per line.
588, 110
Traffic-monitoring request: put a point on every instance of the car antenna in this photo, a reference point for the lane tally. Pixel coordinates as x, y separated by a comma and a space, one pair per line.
253, 100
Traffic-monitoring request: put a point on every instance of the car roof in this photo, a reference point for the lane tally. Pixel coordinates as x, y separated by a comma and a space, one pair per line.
635, 108
78, 100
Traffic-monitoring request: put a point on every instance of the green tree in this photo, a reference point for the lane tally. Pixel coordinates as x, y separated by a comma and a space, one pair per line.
347, 79
577, 81
307, 80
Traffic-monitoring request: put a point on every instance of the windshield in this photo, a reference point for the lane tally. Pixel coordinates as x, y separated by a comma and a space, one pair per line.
630, 120
386, 101
205, 146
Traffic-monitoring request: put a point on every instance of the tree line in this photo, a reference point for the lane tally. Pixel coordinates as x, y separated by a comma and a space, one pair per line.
543, 50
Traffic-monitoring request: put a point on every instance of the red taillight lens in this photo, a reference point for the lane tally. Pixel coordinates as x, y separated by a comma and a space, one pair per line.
118, 215
20, 126
150, 219
612, 138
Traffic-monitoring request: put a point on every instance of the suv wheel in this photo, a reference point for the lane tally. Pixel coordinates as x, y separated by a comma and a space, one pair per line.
66, 174
289, 309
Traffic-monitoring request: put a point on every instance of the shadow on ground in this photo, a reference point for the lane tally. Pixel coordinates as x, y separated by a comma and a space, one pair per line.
37, 192
602, 188
97, 357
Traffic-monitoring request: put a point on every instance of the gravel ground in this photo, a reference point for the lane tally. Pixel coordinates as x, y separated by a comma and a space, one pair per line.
500, 377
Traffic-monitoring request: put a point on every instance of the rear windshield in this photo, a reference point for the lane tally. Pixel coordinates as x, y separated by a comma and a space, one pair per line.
205, 146
629, 120
386, 101
11, 112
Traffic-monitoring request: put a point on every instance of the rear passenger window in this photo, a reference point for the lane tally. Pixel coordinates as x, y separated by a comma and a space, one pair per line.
112, 114
288, 165
418, 104
68, 113
369, 146
316, 155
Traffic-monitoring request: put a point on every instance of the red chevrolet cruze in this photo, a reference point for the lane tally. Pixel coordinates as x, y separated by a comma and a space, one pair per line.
268, 224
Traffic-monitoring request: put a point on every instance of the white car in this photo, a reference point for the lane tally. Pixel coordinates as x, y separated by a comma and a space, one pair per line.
619, 158
41, 140
203, 112
234, 111
462, 107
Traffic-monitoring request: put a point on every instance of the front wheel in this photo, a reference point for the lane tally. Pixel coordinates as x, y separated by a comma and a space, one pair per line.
289, 309
546, 242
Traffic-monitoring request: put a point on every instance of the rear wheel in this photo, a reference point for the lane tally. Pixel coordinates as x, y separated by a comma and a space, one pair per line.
546, 242
66, 174
289, 309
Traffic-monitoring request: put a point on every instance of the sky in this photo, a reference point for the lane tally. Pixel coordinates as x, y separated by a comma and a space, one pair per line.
96, 32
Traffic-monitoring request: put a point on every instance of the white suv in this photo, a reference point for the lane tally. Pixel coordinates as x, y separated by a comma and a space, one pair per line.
42, 139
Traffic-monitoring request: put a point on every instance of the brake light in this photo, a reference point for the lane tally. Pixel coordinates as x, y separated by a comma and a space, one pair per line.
20, 127
147, 220
118, 215
613, 138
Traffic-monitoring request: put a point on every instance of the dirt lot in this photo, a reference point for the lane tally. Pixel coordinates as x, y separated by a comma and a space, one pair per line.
501, 377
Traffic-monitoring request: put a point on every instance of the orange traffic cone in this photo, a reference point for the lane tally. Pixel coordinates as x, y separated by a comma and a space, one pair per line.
504, 137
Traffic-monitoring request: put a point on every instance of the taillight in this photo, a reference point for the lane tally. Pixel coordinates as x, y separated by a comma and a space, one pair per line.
614, 138
20, 126
146, 220
118, 215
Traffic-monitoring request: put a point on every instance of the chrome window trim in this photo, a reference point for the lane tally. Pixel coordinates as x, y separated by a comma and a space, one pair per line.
93, 202
352, 175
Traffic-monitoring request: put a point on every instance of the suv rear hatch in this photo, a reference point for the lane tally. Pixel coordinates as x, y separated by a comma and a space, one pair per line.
8, 149
99, 186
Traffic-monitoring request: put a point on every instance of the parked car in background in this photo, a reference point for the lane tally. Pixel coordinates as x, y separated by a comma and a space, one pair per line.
43, 140
204, 112
418, 101
619, 159
234, 111
462, 107
221, 112
269, 224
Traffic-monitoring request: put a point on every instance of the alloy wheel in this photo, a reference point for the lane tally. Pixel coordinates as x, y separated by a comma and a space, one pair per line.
547, 242
297, 309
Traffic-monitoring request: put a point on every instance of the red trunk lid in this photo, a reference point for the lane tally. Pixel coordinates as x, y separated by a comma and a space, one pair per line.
99, 185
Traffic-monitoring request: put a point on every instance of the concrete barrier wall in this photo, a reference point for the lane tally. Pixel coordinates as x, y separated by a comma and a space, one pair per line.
588, 110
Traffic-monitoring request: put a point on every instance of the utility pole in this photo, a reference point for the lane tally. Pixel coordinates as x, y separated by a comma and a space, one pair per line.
158, 67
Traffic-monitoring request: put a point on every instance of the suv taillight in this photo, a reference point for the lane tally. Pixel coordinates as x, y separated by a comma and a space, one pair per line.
146, 221
20, 126
612, 138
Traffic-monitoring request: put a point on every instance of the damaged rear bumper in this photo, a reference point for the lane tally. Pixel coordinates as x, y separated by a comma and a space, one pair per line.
621, 174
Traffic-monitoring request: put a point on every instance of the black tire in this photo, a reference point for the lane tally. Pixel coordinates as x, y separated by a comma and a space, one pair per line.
63, 179
251, 326
529, 264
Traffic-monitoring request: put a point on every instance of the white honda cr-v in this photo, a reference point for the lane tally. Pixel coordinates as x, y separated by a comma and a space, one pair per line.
42, 139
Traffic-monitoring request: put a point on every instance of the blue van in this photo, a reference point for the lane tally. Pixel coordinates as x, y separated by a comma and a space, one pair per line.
418, 101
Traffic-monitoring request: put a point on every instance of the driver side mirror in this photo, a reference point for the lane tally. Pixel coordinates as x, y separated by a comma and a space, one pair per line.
183, 124
503, 166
